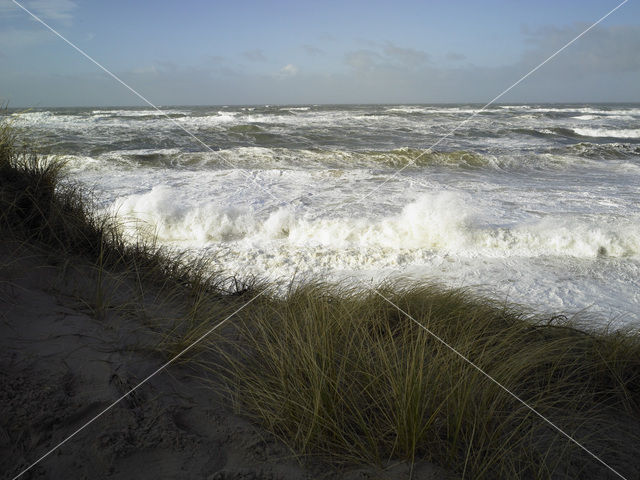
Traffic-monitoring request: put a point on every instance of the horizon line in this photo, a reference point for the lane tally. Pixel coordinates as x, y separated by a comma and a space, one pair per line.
317, 104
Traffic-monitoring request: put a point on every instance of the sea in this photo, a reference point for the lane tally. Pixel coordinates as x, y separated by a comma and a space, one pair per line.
533, 204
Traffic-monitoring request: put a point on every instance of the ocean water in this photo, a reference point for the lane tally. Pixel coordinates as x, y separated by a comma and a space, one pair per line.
534, 204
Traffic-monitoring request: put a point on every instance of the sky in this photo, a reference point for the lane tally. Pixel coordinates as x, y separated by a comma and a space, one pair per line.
322, 52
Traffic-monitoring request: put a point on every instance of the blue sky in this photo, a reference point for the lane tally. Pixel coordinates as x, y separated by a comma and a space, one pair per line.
254, 52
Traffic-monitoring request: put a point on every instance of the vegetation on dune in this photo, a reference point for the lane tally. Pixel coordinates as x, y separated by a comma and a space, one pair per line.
37, 206
346, 375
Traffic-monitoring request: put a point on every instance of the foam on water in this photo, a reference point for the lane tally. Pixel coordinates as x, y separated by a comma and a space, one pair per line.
608, 132
570, 109
585, 117
517, 202
444, 222
209, 120
583, 154
572, 261
407, 109
137, 113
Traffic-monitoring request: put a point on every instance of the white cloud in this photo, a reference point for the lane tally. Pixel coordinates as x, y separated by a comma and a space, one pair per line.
56, 10
289, 70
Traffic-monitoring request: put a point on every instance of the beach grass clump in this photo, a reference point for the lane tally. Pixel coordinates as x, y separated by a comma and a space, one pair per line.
344, 373
39, 205
41, 208
175, 294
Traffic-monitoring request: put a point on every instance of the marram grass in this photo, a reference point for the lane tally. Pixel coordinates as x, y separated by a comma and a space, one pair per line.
342, 373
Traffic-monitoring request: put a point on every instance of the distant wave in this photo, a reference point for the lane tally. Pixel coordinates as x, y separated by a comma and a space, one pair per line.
608, 132
265, 158
407, 109
140, 114
421, 158
285, 158
343, 124
577, 132
608, 117
601, 151
547, 132
606, 111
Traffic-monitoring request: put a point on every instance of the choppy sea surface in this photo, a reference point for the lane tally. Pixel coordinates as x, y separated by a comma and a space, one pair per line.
535, 204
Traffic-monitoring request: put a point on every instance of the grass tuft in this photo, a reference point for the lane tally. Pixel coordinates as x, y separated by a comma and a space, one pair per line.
345, 374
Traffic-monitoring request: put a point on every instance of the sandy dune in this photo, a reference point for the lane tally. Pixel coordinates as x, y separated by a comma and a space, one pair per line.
60, 366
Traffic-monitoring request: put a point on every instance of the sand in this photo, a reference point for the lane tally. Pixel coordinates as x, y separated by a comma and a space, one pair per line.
62, 362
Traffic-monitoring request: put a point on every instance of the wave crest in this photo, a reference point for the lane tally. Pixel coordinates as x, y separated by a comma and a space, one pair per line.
445, 222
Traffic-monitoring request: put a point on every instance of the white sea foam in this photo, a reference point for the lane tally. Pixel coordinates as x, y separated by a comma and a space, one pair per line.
407, 109
75, 123
337, 160
532, 217
608, 132
209, 120
443, 222
570, 261
569, 109
35, 119
138, 113
145, 151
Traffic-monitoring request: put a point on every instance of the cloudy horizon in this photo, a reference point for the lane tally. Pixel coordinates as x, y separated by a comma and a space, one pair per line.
299, 53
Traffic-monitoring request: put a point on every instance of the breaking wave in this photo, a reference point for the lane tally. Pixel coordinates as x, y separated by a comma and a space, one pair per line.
602, 151
284, 158
608, 132
443, 222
